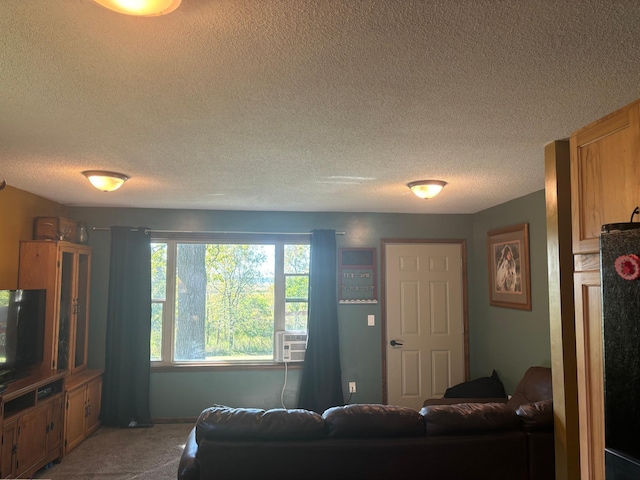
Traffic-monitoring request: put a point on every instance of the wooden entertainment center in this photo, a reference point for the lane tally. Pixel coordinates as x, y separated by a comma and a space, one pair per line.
49, 412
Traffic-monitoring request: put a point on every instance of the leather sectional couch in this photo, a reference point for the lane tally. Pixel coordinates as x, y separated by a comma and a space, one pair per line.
466, 441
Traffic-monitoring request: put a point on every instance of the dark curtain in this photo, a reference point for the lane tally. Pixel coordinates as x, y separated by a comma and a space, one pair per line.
321, 385
125, 396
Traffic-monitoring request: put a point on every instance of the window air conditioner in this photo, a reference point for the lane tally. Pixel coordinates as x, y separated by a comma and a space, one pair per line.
290, 346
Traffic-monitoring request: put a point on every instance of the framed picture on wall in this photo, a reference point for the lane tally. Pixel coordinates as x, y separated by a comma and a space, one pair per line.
509, 277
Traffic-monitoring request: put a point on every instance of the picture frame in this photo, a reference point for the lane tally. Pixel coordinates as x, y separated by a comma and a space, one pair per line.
509, 273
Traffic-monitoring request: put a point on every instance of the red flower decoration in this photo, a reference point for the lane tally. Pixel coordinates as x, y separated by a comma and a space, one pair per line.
628, 266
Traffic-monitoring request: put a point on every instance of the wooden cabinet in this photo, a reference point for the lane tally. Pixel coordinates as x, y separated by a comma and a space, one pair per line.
32, 424
588, 315
82, 404
605, 188
62, 268
605, 175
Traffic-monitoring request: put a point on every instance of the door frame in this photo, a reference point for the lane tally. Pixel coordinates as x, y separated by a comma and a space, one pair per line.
383, 299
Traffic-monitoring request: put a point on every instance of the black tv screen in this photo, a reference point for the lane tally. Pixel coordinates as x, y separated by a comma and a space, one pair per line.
22, 319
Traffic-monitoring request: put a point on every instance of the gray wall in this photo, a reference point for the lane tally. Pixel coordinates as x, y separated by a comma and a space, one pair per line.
492, 330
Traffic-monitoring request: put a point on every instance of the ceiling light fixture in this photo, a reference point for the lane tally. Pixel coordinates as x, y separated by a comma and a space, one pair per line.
105, 181
141, 8
426, 188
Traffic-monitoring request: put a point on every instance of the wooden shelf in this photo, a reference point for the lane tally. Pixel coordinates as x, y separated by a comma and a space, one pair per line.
36, 379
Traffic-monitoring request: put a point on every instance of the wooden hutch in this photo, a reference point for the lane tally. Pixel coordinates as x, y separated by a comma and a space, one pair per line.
50, 412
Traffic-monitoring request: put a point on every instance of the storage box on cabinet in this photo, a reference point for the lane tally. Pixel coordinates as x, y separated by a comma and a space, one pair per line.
54, 228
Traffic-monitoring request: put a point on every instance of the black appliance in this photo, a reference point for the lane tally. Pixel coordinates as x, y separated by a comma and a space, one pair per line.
620, 275
22, 324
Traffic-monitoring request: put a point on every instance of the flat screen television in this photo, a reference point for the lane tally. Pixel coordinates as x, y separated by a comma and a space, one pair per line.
22, 320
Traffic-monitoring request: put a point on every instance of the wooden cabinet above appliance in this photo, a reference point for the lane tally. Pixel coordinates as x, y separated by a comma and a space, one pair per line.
605, 175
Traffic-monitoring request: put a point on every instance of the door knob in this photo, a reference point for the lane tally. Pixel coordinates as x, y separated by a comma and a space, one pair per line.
395, 344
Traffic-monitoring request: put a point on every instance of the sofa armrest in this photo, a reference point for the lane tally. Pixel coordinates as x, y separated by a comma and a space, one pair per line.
455, 401
188, 468
537, 415
469, 418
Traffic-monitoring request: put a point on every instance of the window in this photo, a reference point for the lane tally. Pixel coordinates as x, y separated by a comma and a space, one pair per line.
220, 300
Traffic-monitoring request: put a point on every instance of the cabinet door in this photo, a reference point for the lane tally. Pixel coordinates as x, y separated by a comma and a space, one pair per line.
81, 330
66, 305
75, 418
588, 317
605, 175
7, 463
32, 438
94, 396
54, 435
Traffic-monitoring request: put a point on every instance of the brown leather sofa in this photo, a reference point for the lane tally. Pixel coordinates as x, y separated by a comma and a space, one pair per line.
532, 400
463, 441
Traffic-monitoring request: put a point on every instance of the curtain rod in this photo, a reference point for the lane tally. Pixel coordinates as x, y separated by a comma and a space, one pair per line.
150, 230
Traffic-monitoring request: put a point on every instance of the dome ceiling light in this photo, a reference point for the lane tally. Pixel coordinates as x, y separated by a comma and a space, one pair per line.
426, 188
141, 8
105, 181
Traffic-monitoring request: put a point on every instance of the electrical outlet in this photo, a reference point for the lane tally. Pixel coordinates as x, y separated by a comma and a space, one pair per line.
352, 387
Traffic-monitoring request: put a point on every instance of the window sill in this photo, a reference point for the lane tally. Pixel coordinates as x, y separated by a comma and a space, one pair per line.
161, 368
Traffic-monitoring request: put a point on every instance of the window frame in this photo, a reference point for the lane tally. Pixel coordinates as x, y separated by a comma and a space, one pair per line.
166, 362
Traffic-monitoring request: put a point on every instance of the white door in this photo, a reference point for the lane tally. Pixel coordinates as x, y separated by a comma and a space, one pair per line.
425, 324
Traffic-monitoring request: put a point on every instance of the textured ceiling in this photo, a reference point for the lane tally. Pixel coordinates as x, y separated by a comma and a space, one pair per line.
300, 105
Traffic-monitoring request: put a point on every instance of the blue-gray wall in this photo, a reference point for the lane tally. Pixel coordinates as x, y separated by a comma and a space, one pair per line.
505, 339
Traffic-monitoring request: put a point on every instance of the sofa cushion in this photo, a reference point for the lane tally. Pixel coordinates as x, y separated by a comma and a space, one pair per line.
372, 420
537, 415
468, 418
535, 385
249, 424
484, 387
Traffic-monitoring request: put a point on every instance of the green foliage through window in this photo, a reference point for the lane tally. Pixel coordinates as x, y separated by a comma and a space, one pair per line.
222, 302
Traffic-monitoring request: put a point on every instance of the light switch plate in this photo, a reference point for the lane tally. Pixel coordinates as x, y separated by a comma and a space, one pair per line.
371, 320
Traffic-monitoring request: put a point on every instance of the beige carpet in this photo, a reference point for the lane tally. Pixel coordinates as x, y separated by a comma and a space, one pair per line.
124, 454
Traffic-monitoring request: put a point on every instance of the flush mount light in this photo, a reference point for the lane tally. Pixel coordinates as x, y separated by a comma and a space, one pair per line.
105, 181
141, 8
426, 188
